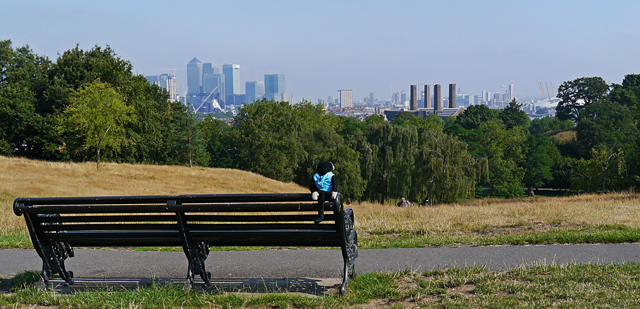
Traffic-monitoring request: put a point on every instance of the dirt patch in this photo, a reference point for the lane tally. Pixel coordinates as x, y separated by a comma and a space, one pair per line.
535, 227
464, 290
386, 303
407, 284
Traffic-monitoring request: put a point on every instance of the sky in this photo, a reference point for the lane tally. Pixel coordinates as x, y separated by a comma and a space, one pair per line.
368, 46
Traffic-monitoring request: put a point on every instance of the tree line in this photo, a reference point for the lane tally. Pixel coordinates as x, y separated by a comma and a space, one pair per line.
89, 105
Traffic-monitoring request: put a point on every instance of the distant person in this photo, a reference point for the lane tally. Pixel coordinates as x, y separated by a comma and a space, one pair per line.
404, 203
323, 184
426, 202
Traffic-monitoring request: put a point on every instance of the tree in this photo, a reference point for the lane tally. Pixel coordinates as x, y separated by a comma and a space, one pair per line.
475, 115
606, 123
97, 115
23, 130
444, 170
217, 136
513, 116
577, 94
540, 156
186, 143
504, 150
549, 124
606, 167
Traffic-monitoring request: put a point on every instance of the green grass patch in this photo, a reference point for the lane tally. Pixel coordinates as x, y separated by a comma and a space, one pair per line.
540, 286
600, 234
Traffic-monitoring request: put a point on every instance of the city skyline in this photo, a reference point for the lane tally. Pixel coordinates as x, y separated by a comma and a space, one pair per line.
379, 47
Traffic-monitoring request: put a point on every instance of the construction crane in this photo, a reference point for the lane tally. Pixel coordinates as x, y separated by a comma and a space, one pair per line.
195, 110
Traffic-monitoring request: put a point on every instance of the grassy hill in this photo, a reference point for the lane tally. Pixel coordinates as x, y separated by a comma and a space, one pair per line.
31, 178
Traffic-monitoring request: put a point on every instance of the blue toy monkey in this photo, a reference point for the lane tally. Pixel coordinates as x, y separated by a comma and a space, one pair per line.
322, 185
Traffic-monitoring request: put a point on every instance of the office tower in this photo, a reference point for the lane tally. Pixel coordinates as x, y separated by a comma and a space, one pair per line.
452, 95
194, 76
413, 103
273, 83
511, 96
167, 82
403, 97
437, 98
231, 79
427, 96
253, 91
371, 98
345, 97
395, 98
486, 96
211, 68
213, 86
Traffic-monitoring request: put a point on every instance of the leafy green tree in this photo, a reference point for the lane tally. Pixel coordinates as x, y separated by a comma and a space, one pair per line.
606, 123
444, 170
513, 116
504, 150
606, 167
540, 160
579, 93
23, 78
187, 145
220, 147
476, 115
97, 115
549, 124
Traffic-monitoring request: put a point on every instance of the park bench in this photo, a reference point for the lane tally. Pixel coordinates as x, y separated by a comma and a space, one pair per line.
193, 222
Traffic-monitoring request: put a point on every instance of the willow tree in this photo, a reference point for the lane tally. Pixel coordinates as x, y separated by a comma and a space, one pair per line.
444, 170
96, 116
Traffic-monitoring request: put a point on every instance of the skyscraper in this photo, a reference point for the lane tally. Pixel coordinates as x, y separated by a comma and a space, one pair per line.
273, 83
452, 95
168, 82
511, 96
345, 98
231, 79
253, 91
427, 96
194, 76
437, 98
413, 103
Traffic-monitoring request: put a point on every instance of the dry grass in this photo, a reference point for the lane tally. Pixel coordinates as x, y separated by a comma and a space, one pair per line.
564, 135
31, 178
497, 215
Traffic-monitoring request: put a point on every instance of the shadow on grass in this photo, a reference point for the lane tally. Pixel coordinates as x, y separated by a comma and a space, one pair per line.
306, 286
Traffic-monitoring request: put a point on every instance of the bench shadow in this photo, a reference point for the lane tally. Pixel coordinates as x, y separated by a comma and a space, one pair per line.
305, 286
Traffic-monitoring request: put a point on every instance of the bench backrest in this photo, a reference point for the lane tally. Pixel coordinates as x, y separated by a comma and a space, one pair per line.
217, 220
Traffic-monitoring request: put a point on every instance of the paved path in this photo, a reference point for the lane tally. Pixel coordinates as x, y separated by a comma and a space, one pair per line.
317, 263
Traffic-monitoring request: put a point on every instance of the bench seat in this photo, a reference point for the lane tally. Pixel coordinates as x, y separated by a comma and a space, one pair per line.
193, 222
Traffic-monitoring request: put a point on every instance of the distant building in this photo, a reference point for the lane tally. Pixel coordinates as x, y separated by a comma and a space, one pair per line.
167, 82
452, 95
345, 98
413, 103
253, 91
194, 76
427, 96
273, 83
231, 79
437, 97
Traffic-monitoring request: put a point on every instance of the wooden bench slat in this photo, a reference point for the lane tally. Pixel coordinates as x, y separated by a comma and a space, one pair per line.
131, 228
163, 208
190, 218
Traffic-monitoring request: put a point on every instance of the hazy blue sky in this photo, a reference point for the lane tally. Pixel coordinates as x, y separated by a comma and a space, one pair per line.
367, 46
